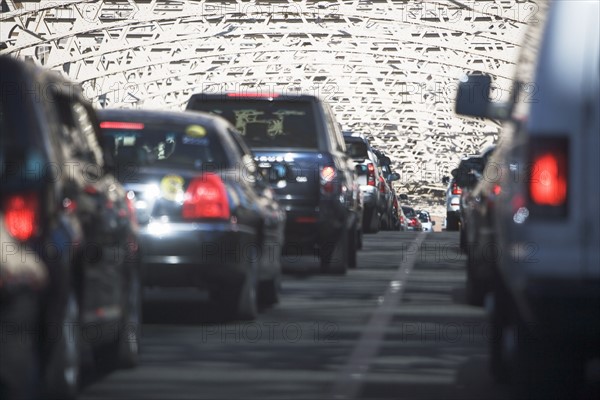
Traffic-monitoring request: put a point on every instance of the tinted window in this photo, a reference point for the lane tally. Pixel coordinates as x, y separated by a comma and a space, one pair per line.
408, 212
267, 123
356, 149
423, 218
167, 146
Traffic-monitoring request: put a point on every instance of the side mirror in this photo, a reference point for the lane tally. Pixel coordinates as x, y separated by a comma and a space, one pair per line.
432, 223
473, 96
394, 176
446, 180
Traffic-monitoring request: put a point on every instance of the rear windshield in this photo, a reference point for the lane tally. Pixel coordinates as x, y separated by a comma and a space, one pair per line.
170, 145
266, 124
356, 149
423, 218
408, 212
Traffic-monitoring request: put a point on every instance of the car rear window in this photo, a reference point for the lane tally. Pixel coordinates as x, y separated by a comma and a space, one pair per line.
356, 149
408, 212
266, 124
164, 145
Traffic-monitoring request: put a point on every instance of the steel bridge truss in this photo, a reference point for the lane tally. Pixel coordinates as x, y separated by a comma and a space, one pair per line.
389, 68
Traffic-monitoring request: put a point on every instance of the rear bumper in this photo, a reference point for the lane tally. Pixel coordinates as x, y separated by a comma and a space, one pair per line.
310, 227
196, 254
566, 310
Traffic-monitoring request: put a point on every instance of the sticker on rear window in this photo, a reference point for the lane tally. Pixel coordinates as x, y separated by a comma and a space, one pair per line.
195, 131
171, 187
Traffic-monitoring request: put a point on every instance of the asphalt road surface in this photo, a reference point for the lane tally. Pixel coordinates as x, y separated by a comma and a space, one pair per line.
394, 328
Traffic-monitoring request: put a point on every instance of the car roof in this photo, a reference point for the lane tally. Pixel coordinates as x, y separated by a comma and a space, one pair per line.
240, 96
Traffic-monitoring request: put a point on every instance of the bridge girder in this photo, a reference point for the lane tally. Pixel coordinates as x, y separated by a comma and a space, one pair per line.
388, 67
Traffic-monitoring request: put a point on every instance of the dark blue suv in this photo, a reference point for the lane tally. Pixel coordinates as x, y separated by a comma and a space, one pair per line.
300, 149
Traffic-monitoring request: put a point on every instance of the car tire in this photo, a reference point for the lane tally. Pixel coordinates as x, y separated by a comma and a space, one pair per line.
475, 289
372, 220
498, 364
359, 239
269, 292
126, 349
352, 247
64, 366
20, 357
334, 256
452, 222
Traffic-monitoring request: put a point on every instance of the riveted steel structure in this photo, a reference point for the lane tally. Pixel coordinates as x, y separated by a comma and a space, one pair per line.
389, 68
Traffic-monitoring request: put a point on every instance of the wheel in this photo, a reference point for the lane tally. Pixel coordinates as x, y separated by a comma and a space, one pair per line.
451, 222
352, 245
269, 291
126, 349
240, 301
64, 367
19, 353
334, 256
371, 220
501, 336
359, 239
476, 289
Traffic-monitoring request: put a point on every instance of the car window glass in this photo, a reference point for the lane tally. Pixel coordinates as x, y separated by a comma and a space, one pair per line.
167, 145
83, 121
266, 124
73, 142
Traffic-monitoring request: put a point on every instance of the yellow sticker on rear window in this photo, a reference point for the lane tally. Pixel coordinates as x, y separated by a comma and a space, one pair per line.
195, 131
171, 187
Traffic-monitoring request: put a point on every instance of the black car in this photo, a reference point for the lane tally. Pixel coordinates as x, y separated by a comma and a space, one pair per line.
69, 275
207, 218
300, 148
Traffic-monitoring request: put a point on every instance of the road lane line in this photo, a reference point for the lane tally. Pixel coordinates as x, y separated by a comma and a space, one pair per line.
352, 375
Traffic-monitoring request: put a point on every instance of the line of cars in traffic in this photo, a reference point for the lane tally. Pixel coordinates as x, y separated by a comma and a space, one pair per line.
98, 204
528, 208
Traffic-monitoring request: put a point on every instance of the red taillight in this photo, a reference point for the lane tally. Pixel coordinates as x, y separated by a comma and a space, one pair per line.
131, 207
548, 184
456, 189
254, 94
328, 173
121, 125
381, 185
327, 179
413, 222
20, 215
206, 197
370, 174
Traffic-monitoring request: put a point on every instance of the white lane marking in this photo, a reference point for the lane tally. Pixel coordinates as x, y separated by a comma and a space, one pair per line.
352, 375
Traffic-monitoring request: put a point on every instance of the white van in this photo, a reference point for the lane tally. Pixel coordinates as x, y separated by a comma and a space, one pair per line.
545, 306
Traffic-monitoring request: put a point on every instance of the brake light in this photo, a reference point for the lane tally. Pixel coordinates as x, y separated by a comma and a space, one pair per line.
121, 125
456, 189
20, 215
370, 174
548, 185
548, 178
131, 207
206, 197
254, 95
328, 174
381, 185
